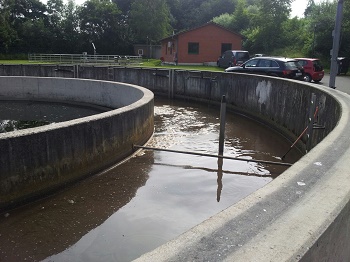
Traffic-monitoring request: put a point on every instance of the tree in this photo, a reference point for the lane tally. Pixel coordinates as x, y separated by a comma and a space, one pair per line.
212, 8
225, 20
321, 23
68, 37
345, 38
241, 17
150, 20
101, 24
309, 7
7, 33
264, 35
297, 40
28, 18
123, 5
55, 9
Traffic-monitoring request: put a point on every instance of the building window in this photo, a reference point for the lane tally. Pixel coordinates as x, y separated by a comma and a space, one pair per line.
225, 47
193, 48
170, 47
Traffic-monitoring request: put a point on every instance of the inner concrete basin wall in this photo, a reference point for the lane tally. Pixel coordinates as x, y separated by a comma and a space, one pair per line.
282, 104
35, 161
303, 215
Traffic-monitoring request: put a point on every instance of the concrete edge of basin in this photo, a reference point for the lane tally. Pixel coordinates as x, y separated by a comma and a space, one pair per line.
278, 222
57, 154
303, 215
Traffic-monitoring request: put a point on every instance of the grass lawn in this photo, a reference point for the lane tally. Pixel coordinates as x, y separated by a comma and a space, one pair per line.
156, 63
15, 62
153, 63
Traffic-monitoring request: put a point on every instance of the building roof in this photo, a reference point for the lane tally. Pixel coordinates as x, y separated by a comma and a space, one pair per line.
189, 30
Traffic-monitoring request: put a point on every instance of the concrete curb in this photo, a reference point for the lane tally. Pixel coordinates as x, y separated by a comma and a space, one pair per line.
303, 215
37, 161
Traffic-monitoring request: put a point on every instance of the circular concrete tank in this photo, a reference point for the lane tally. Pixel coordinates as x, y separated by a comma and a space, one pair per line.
38, 160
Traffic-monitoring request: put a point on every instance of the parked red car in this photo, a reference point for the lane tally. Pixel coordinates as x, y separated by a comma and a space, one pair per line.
313, 69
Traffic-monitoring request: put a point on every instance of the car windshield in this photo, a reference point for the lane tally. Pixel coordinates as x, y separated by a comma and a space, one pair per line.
292, 65
242, 55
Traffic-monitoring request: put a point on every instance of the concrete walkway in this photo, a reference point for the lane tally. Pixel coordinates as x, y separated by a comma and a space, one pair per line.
342, 82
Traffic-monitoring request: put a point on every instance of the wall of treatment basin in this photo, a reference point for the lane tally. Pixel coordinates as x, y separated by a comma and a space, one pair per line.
36, 161
301, 215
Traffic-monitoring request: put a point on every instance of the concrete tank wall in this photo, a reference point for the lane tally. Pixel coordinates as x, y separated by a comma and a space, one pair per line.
303, 215
34, 161
282, 104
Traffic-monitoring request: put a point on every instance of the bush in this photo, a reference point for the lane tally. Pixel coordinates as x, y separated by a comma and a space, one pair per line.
13, 57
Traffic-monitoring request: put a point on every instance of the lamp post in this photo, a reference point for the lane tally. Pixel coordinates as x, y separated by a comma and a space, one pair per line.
336, 38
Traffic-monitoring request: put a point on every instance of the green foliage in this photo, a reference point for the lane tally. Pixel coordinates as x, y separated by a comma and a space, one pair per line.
150, 20
99, 25
63, 27
345, 35
187, 14
224, 20
7, 33
241, 17
13, 58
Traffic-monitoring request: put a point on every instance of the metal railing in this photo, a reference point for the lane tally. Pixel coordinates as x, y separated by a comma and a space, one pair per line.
85, 59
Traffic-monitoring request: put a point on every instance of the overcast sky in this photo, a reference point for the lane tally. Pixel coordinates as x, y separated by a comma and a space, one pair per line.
298, 7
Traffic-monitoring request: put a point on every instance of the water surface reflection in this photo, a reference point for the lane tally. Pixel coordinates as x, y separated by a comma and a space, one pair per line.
155, 196
18, 114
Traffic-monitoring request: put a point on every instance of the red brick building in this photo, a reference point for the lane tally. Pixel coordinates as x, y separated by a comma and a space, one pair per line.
200, 45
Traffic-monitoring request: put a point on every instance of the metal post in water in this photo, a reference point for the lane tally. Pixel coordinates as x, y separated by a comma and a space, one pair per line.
222, 125
209, 155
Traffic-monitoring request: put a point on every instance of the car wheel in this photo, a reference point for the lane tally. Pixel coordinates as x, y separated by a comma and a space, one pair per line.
307, 78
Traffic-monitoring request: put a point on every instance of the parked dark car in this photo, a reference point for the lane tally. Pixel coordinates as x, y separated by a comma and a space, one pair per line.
313, 69
232, 58
272, 66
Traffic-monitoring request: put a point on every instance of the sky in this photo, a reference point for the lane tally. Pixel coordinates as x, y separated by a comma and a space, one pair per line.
299, 6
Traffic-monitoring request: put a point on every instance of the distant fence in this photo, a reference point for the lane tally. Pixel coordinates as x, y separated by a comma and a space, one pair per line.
85, 59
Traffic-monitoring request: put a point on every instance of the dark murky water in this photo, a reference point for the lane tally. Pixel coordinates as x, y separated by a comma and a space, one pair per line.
151, 198
16, 115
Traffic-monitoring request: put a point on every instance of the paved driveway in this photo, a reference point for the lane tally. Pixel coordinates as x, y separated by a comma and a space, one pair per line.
342, 82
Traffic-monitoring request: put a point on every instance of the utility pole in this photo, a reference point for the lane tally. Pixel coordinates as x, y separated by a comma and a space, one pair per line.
336, 40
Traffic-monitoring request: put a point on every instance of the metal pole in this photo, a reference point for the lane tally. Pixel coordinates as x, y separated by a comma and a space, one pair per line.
336, 38
222, 125
209, 155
